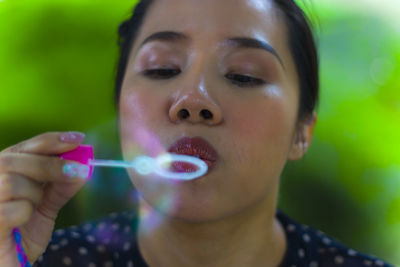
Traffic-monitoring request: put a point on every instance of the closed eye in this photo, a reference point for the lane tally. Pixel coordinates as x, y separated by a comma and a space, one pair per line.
161, 74
244, 80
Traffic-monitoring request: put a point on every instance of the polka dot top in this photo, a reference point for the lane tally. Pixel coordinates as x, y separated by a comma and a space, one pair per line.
111, 242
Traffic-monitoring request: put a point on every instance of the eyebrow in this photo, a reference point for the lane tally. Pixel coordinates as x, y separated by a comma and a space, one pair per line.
245, 42
237, 42
167, 36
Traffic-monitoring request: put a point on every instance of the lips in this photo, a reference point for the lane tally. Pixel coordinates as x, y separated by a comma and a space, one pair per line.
197, 147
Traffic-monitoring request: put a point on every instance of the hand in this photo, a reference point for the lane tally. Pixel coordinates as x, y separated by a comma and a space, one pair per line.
34, 185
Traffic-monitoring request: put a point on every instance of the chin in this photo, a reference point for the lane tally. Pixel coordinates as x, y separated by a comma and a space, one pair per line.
195, 201
184, 207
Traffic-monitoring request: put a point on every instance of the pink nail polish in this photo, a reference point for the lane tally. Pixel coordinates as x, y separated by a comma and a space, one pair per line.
72, 137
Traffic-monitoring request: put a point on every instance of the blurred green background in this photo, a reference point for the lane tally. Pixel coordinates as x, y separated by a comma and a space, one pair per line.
57, 65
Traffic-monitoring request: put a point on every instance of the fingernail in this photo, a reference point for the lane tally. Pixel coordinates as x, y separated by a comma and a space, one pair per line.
72, 137
76, 170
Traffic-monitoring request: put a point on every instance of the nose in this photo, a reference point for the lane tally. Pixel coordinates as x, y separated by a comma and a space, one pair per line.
195, 107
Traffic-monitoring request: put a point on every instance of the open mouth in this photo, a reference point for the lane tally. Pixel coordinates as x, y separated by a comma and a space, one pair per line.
179, 166
196, 147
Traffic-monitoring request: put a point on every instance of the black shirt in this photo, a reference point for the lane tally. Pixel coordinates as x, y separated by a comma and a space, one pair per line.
111, 242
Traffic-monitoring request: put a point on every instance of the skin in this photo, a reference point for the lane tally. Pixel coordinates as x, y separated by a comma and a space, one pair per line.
227, 217
33, 189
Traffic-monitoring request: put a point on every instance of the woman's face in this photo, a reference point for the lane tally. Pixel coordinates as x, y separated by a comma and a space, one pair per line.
230, 58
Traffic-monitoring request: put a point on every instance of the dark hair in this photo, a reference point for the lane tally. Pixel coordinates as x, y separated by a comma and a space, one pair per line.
301, 42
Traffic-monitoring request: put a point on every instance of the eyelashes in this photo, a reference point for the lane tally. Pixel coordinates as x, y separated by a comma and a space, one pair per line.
161, 74
237, 79
244, 80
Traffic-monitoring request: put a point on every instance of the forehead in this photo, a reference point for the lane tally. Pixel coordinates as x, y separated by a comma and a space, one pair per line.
215, 19
208, 22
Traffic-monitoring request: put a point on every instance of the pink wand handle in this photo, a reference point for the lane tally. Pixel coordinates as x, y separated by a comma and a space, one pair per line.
82, 154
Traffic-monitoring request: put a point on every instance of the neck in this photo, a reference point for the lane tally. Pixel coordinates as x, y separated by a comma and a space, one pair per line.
250, 238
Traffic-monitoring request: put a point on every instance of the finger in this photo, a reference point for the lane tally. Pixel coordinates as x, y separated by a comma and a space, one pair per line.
56, 195
14, 214
50, 143
17, 187
42, 168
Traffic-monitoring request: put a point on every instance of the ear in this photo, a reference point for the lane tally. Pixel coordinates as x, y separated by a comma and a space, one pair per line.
302, 138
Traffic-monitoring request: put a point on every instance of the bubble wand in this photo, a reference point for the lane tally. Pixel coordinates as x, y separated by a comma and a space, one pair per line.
143, 165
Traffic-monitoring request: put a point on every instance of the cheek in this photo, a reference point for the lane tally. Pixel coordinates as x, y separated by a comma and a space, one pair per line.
262, 120
134, 104
138, 124
265, 126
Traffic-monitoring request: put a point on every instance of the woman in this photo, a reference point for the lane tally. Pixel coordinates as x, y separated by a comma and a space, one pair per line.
232, 82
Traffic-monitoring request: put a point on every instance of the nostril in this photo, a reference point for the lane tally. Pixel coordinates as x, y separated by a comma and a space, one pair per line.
183, 113
206, 114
